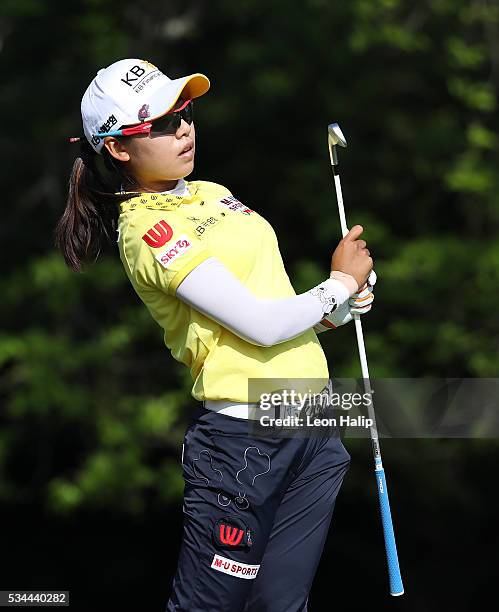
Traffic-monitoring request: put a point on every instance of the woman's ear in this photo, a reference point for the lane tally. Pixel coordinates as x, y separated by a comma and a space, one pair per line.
116, 149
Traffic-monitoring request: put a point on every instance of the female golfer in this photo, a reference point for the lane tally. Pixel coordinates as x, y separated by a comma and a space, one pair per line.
257, 508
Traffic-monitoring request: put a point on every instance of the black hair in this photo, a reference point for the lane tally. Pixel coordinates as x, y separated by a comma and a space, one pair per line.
92, 207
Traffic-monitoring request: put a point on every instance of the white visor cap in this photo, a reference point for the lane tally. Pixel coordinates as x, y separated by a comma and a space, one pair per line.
129, 92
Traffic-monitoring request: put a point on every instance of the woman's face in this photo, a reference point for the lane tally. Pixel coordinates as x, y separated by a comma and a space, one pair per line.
155, 160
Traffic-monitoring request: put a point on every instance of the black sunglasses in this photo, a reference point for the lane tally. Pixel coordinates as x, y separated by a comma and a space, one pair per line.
170, 122
166, 124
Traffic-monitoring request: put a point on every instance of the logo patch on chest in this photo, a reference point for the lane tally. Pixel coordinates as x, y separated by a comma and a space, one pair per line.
158, 235
203, 224
234, 204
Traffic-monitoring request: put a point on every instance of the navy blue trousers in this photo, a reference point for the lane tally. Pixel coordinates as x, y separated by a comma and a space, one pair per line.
257, 511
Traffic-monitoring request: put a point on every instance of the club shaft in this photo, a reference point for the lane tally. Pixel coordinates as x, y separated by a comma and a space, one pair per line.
339, 198
358, 324
395, 578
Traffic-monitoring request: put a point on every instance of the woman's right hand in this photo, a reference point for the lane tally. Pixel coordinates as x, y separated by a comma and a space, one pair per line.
352, 257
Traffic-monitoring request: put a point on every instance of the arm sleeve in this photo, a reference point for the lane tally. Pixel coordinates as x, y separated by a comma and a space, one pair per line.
214, 290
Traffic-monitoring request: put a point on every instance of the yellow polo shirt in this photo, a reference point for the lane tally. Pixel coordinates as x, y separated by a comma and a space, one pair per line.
162, 237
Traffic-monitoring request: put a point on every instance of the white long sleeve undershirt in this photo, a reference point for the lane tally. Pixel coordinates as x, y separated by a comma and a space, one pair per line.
211, 288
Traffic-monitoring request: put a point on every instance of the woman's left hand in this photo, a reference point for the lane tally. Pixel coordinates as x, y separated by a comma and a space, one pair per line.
359, 303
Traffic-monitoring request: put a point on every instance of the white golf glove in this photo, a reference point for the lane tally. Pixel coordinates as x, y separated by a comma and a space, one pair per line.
358, 303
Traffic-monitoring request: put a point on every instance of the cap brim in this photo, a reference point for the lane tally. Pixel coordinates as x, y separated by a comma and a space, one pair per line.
164, 99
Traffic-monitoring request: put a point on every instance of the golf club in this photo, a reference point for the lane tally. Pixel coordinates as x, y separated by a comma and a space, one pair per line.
335, 138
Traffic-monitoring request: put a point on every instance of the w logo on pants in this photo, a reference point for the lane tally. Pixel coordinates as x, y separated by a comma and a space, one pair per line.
230, 535
231, 532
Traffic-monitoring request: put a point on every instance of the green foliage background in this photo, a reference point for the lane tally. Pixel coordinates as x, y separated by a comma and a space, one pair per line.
93, 407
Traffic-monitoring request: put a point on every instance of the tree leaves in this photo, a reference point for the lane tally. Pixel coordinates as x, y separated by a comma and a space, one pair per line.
87, 384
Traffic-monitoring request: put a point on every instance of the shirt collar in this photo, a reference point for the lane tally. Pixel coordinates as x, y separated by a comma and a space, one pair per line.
179, 189
164, 200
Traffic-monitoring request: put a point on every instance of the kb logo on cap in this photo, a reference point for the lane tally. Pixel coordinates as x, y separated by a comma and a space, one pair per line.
137, 71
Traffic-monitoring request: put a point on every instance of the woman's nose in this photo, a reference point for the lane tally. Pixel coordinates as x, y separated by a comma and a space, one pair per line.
183, 128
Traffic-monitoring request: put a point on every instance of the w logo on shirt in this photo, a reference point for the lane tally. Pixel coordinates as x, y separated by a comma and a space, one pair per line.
158, 235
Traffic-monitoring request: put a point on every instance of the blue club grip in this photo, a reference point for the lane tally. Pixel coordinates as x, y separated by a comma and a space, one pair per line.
396, 586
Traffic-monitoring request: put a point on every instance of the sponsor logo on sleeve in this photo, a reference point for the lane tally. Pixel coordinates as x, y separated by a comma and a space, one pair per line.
175, 250
158, 235
234, 204
234, 568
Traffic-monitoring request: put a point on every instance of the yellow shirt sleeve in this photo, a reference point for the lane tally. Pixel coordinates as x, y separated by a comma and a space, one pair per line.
161, 248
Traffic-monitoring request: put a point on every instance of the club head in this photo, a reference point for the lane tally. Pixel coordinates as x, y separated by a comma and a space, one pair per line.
335, 135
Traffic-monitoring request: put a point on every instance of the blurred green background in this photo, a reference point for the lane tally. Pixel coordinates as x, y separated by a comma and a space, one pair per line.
93, 407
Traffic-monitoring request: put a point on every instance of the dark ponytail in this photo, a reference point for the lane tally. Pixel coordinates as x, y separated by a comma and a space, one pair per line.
91, 215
